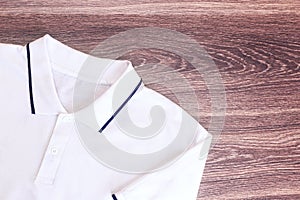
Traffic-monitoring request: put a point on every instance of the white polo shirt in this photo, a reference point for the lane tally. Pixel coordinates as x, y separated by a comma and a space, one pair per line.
48, 153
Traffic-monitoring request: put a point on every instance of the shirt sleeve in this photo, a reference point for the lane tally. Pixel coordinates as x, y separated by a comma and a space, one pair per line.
180, 180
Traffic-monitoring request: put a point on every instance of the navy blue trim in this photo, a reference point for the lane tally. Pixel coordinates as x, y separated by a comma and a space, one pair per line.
119, 109
30, 80
114, 197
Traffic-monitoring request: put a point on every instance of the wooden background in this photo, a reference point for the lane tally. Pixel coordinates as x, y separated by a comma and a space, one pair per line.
255, 45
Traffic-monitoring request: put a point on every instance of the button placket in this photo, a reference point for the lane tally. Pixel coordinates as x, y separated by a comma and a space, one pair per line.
54, 152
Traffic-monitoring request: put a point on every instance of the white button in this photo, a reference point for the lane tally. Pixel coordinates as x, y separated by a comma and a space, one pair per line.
54, 150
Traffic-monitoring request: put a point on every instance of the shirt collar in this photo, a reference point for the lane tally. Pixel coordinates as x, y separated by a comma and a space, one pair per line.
46, 50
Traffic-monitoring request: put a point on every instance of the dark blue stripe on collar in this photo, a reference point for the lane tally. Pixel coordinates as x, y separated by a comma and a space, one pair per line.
120, 108
30, 80
114, 197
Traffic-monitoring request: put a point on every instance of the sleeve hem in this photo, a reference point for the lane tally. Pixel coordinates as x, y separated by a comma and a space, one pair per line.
118, 196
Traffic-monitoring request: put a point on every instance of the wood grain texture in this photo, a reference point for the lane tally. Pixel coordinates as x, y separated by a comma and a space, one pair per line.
256, 47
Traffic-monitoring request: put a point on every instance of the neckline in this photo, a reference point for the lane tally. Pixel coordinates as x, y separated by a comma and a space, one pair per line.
46, 50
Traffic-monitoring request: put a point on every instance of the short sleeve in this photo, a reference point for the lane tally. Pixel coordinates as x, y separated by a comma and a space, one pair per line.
180, 179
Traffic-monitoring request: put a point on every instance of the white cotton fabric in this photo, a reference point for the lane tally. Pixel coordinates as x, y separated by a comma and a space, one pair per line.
42, 156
